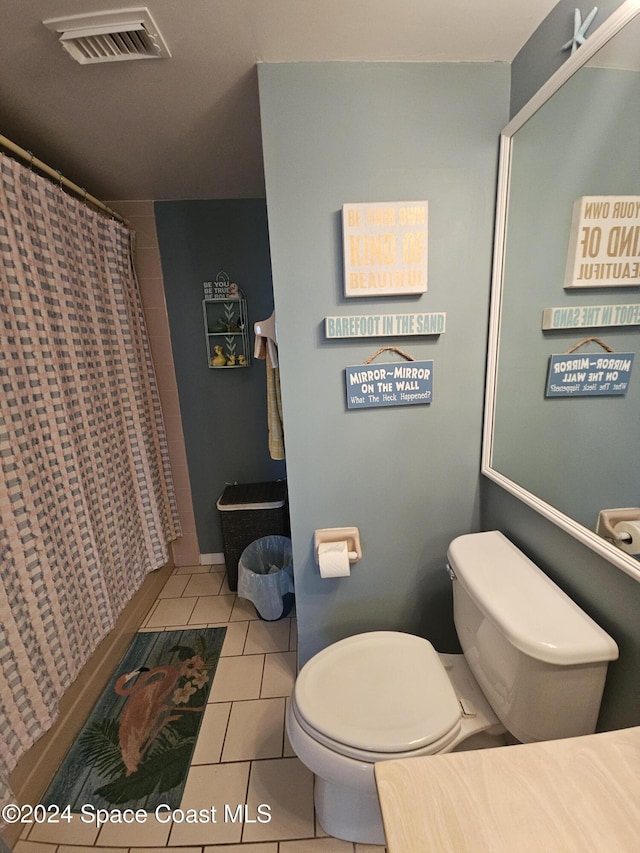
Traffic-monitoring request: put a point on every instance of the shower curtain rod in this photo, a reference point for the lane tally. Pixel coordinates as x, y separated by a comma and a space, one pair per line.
58, 176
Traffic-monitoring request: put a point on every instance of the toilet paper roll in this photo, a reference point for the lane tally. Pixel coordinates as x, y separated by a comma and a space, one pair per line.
628, 529
333, 558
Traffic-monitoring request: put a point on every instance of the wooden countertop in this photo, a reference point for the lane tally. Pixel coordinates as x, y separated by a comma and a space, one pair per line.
578, 795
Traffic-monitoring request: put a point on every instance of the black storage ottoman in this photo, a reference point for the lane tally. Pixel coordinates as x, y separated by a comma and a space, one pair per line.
249, 511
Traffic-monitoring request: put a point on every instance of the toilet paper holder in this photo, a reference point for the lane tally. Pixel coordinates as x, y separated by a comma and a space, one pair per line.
350, 535
608, 518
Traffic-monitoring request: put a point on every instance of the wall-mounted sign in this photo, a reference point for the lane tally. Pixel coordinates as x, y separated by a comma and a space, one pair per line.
589, 374
604, 248
373, 385
379, 325
583, 316
221, 288
385, 248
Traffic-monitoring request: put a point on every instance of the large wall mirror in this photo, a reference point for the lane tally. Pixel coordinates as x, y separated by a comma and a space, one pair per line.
568, 456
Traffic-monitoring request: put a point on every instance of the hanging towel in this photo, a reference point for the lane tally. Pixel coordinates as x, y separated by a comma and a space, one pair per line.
266, 349
274, 413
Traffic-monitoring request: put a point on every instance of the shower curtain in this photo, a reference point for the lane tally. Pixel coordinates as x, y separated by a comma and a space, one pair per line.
87, 506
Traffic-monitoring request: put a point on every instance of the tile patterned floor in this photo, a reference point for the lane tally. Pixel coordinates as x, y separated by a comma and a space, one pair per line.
242, 756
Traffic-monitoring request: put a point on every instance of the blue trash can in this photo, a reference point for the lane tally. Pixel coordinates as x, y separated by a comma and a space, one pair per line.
265, 576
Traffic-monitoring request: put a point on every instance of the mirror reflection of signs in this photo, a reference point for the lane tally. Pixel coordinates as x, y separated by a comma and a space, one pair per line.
589, 375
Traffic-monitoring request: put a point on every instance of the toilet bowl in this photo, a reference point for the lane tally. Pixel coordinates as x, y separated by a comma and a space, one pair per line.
533, 668
373, 697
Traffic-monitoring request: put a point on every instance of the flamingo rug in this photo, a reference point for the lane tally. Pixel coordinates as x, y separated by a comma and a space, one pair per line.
135, 748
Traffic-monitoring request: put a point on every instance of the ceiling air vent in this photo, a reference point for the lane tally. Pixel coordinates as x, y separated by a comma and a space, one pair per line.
110, 36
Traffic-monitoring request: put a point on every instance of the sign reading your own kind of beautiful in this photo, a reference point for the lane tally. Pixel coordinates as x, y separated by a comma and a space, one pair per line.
385, 248
604, 249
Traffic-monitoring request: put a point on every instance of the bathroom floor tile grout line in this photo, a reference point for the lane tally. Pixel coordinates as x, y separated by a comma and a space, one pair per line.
248, 645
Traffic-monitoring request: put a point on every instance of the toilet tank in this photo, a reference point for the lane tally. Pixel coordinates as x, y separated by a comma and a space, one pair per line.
539, 659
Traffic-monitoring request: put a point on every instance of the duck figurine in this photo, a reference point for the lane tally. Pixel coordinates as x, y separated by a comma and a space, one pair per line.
231, 361
219, 359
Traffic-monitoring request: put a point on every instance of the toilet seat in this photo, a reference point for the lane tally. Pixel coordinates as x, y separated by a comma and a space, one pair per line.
378, 695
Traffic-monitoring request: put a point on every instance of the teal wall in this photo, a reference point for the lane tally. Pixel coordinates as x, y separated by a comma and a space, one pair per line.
407, 477
224, 412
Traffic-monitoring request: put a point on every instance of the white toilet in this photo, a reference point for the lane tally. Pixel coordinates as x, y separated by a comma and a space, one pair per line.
533, 668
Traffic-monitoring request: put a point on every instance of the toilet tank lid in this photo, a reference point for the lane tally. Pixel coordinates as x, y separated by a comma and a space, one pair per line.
534, 614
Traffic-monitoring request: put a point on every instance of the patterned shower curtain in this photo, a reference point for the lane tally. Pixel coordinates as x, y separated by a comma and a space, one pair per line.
87, 506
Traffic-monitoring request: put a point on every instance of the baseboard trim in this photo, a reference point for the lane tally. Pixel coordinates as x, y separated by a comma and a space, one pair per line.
211, 559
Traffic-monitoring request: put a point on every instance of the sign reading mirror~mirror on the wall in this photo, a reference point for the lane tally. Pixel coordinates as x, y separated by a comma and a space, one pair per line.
589, 374
604, 247
385, 248
371, 386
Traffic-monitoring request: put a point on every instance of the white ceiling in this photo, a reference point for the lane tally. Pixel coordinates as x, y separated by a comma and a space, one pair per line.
189, 126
